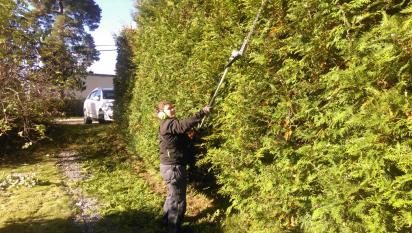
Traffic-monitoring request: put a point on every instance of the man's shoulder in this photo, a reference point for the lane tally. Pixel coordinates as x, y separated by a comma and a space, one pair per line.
165, 124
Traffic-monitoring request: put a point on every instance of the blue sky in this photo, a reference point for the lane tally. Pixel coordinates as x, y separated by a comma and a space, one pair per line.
115, 16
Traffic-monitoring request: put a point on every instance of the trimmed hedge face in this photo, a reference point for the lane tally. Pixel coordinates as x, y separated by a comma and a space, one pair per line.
312, 130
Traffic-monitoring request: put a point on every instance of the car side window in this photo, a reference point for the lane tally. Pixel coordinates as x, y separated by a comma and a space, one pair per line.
108, 94
92, 94
98, 94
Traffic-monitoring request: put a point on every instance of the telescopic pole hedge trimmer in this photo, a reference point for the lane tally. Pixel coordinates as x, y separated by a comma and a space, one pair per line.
233, 57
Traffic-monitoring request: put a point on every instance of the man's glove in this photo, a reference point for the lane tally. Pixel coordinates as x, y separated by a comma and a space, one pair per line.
206, 109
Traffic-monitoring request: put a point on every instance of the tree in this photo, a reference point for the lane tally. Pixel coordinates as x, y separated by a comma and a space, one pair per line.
66, 48
44, 53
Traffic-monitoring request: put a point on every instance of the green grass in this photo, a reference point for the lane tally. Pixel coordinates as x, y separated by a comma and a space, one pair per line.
130, 203
43, 207
40, 203
127, 201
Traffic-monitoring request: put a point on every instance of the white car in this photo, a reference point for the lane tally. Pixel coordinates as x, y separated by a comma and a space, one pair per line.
99, 105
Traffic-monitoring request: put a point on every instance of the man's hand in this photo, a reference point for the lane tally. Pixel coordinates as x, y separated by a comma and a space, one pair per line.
206, 109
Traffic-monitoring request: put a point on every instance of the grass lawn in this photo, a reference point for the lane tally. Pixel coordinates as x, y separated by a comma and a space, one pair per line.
34, 194
35, 200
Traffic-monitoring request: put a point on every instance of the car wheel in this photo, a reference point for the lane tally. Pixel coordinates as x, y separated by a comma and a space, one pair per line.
87, 119
101, 117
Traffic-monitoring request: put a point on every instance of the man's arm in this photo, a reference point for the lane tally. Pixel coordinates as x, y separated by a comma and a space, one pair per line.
182, 126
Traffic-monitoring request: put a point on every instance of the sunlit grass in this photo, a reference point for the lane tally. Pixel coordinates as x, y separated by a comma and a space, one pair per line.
43, 207
126, 201
129, 198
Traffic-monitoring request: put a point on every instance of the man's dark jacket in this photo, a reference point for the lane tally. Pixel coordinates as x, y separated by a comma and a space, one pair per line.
174, 142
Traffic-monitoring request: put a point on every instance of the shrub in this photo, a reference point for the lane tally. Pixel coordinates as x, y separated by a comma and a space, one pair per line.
312, 131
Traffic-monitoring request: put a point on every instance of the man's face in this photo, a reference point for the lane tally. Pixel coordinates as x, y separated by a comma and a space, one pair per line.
169, 110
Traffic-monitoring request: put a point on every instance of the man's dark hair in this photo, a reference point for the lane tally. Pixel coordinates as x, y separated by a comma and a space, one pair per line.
162, 104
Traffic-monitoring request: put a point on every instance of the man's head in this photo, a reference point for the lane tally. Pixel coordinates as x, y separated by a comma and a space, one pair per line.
166, 109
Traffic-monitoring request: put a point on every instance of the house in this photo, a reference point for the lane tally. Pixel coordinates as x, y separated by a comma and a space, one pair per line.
74, 107
95, 80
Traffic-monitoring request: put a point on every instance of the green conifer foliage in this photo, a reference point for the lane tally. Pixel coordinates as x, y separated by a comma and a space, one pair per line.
123, 82
312, 129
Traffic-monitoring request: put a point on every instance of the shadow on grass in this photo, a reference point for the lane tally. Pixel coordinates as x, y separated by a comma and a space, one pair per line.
59, 137
95, 142
124, 222
205, 183
38, 226
63, 135
18, 159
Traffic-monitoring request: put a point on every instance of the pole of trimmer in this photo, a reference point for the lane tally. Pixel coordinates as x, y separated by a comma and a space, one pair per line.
235, 55
212, 100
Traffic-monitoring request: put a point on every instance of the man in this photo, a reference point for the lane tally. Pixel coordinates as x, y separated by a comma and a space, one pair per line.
174, 156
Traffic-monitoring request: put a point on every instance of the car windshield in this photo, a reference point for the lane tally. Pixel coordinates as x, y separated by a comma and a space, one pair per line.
108, 94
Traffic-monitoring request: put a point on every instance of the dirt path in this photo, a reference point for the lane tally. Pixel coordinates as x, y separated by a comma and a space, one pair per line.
70, 121
69, 165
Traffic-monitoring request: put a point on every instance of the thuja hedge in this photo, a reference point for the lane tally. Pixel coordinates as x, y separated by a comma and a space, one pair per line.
312, 131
